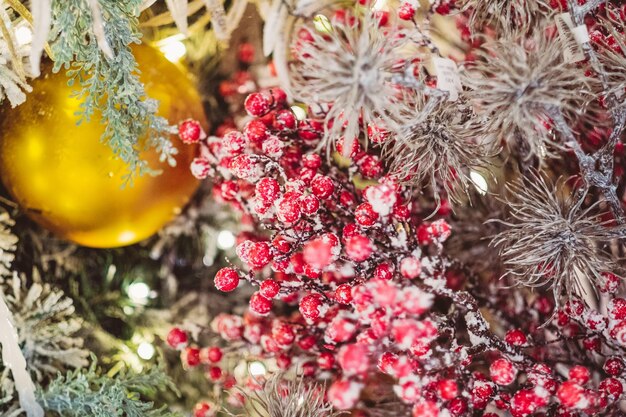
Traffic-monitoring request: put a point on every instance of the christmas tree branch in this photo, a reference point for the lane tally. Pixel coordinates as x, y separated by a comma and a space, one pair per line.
92, 41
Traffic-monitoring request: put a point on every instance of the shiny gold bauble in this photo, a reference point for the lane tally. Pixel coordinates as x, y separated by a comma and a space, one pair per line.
70, 182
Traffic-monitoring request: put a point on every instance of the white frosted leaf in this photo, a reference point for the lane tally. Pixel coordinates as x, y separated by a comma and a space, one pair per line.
178, 9
13, 358
98, 28
274, 26
41, 11
218, 18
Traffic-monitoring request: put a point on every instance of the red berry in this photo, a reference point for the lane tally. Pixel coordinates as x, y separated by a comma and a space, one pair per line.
190, 131
457, 406
214, 354
310, 204
269, 288
525, 402
203, 409
326, 360
447, 389
257, 104
343, 294
384, 271
281, 244
267, 190
574, 307
344, 393
410, 267
244, 167
234, 143
191, 356
612, 387
571, 395
245, 53
322, 187
502, 372
613, 366
288, 208
258, 255
256, 131
311, 306
321, 251
215, 373
516, 337
406, 11
611, 282
358, 247
283, 333
226, 279
353, 359
285, 120
260, 305
312, 160
365, 215
177, 338
579, 374
200, 168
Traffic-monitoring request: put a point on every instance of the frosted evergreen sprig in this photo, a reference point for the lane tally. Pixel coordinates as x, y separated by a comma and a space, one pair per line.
46, 325
89, 393
110, 84
8, 244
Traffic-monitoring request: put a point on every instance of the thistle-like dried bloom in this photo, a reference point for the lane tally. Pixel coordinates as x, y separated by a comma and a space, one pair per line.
284, 398
348, 66
612, 56
554, 242
515, 85
505, 14
438, 148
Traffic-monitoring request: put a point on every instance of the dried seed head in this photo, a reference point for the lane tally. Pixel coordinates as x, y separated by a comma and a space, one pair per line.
612, 56
506, 14
552, 241
438, 148
286, 398
349, 67
516, 82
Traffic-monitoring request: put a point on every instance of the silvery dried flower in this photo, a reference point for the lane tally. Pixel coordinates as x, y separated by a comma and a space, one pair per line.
286, 398
517, 82
612, 56
505, 14
552, 241
348, 65
438, 148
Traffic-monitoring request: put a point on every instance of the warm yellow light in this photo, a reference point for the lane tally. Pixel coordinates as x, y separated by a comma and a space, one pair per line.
257, 368
225, 239
479, 182
173, 49
138, 292
145, 351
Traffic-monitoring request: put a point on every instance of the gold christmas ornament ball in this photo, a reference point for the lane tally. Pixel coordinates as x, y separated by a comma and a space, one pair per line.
70, 182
